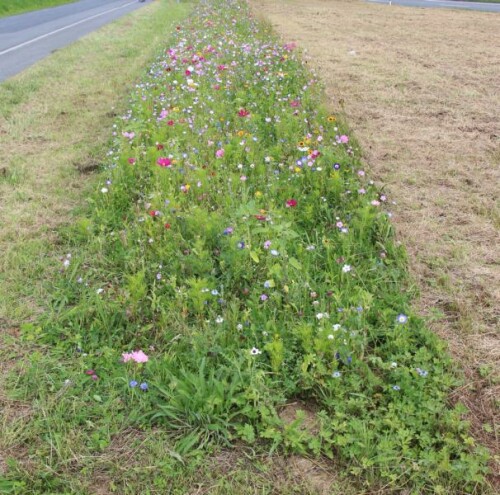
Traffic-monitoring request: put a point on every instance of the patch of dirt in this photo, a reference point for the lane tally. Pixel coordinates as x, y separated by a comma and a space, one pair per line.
295, 410
421, 91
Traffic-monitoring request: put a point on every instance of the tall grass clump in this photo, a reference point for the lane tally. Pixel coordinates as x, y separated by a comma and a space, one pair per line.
236, 257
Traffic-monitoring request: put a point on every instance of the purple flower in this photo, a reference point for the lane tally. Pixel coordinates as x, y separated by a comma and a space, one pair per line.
228, 230
143, 386
264, 297
241, 245
133, 383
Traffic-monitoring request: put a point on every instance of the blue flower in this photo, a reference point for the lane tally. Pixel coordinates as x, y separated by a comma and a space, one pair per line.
396, 388
402, 319
241, 245
133, 383
143, 386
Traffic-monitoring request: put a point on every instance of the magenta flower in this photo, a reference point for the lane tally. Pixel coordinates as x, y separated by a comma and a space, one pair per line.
219, 153
163, 161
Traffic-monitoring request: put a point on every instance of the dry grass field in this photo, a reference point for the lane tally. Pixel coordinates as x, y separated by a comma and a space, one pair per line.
421, 91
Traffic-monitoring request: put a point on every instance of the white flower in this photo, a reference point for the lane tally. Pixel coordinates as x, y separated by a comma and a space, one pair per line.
336, 327
255, 351
100, 291
394, 364
239, 327
320, 316
274, 252
346, 268
104, 190
402, 318
330, 337
219, 319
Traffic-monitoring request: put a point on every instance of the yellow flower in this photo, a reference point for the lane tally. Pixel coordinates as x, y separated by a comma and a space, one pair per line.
331, 118
258, 194
298, 170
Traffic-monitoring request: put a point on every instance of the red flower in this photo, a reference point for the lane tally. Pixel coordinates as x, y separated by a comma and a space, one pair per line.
167, 226
262, 218
90, 372
159, 146
291, 203
243, 112
131, 161
170, 123
163, 161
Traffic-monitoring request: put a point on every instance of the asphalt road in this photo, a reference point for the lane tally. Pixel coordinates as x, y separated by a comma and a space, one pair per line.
446, 4
27, 38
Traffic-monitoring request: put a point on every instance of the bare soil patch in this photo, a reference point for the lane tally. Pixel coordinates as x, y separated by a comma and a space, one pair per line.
421, 91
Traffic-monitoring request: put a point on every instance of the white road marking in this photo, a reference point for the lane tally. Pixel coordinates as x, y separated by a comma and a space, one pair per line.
16, 47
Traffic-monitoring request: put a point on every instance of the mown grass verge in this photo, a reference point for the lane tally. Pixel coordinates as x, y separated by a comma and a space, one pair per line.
13, 7
236, 259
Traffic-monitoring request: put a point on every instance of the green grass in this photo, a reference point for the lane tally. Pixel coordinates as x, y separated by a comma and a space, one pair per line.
13, 7
175, 260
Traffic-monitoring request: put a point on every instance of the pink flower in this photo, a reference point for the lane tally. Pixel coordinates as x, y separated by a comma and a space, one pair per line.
137, 356
267, 244
219, 153
291, 203
131, 161
344, 139
163, 161
295, 103
243, 113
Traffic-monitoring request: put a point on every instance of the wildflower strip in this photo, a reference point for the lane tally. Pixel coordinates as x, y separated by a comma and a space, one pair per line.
238, 240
